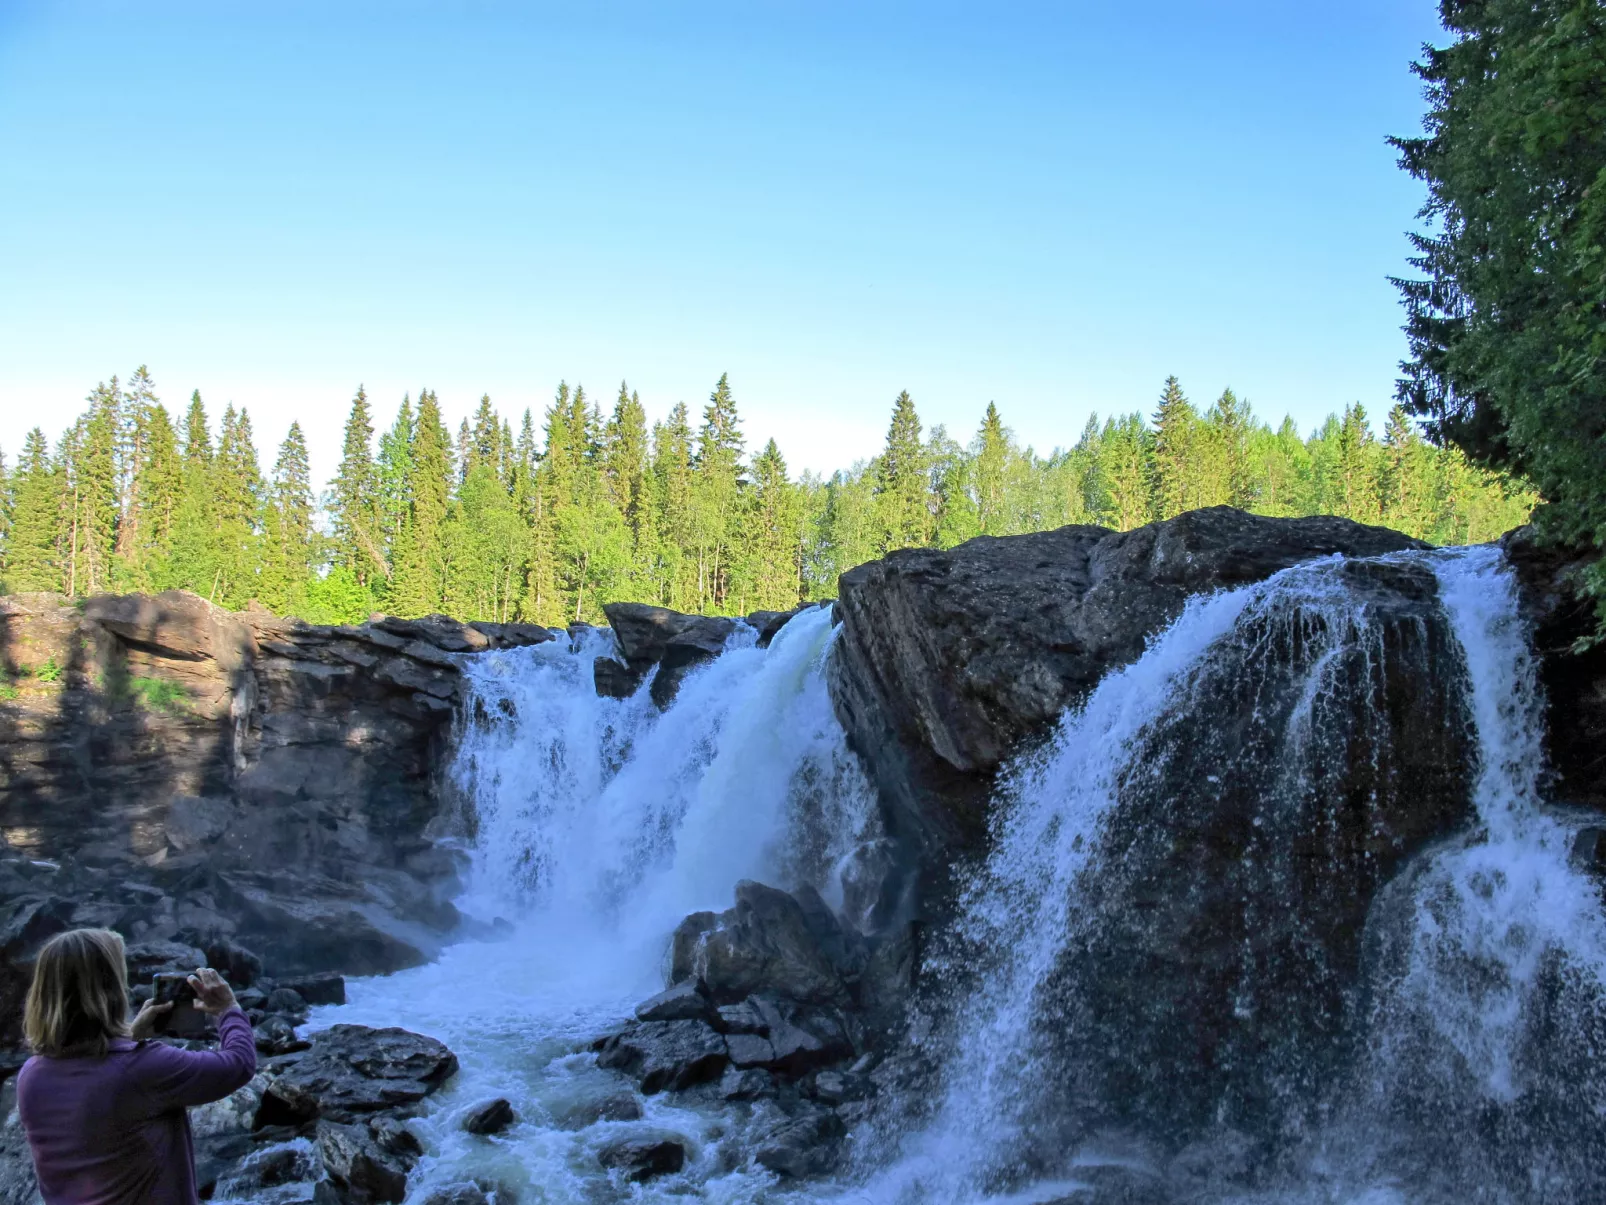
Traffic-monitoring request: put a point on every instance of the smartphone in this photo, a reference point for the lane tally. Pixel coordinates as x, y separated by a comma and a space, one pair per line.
185, 1020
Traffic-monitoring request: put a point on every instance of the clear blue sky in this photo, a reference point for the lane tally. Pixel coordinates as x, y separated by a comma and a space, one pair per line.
1051, 206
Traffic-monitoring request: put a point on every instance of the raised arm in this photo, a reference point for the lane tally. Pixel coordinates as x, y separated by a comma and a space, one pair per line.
173, 1078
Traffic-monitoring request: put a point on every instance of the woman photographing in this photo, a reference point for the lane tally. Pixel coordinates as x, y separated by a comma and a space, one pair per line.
104, 1107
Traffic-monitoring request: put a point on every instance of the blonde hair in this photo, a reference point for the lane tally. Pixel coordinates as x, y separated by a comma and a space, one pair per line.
79, 996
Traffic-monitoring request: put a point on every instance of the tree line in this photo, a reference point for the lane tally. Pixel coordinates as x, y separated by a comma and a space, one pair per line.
544, 523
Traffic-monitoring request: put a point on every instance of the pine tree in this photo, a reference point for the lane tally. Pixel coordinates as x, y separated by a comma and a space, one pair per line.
420, 568
903, 482
1357, 471
158, 491
774, 552
1229, 424
716, 489
32, 551
90, 494
992, 453
675, 567
138, 402
354, 499
1128, 471
1175, 424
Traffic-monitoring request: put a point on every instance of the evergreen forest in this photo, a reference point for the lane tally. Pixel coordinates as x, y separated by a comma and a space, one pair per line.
543, 520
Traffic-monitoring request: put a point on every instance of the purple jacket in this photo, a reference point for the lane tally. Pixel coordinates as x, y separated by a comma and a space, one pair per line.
113, 1130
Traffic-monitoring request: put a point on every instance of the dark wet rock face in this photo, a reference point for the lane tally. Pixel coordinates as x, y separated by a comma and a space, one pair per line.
1213, 971
1572, 665
234, 778
950, 662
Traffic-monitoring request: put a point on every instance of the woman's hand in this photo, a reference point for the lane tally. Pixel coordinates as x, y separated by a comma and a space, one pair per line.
149, 1020
212, 994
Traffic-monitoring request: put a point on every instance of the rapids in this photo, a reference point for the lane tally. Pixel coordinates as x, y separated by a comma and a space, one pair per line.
599, 823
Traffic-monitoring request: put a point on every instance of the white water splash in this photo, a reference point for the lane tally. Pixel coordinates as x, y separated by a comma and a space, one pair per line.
1493, 916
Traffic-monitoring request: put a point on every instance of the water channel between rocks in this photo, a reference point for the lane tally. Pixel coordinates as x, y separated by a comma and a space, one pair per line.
600, 823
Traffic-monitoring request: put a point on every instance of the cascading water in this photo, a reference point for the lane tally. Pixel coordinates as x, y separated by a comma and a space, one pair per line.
598, 824
1479, 1022
1414, 1020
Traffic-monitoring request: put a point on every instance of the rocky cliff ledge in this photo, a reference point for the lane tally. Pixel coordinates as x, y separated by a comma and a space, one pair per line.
190, 774
949, 662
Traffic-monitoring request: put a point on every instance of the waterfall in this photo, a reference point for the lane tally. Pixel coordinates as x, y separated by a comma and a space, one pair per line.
1417, 1019
597, 825
1484, 1077
1478, 1023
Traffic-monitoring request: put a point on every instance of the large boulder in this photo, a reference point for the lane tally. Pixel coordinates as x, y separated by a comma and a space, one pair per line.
353, 1070
949, 662
786, 945
665, 1055
650, 637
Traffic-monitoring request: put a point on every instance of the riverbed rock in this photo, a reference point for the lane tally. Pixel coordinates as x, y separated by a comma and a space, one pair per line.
490, 1117
950, 661
361, 1171
643, 1158
686, 1001
665, 1055
353, 1070
803, 1147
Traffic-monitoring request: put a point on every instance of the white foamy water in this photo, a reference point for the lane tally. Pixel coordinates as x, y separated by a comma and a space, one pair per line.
600, 824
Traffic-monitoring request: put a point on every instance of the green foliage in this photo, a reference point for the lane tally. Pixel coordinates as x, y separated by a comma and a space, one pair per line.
158, 694
49, 671
511, 528
1507, 320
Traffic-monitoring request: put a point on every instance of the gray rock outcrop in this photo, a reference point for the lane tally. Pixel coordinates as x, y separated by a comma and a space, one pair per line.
949, 662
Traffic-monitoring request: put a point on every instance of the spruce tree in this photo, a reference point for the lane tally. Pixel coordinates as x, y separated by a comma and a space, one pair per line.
992, 453
1357, 469
419, 579
354, 499
158, 491
138, 402
716, 489
1229, 421
773, 557
625, 466
1175, 424
672, 490
90, 493
193, 561
33, 551
904, 480
1127, 463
